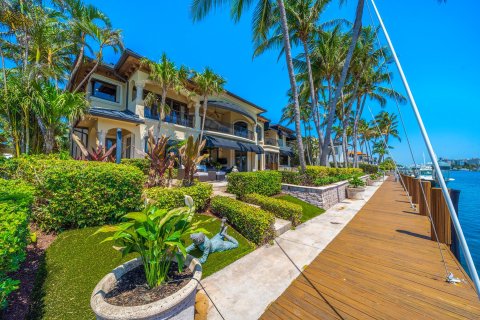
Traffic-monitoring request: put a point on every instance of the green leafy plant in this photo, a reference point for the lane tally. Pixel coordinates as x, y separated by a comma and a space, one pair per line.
170, 198
254, 224
374, 176
356, 182
16, 199
190, 154
267, 183
157, 235
280, 208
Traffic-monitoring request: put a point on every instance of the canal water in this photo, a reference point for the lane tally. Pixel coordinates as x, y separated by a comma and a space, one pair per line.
469, 210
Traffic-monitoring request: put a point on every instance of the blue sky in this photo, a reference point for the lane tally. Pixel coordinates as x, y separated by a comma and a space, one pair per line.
437, 44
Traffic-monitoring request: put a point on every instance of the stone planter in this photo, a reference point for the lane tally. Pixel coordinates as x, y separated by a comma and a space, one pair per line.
375, 183
180, 305
355, 193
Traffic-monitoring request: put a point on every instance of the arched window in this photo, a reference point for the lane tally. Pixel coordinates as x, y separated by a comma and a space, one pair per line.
240, 129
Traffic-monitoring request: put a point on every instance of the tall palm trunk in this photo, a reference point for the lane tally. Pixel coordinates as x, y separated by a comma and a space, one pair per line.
355, 127
88, 76
338, 91
313, 96
205, 104
77, 64
293, 84
345, 142
307, 143
161, 110
335, 164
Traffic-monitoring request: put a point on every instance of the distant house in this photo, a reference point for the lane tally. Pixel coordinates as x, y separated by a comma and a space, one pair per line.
236, 132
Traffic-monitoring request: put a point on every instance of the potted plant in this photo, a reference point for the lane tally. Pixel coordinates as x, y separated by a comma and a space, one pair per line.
155, 285
356, 188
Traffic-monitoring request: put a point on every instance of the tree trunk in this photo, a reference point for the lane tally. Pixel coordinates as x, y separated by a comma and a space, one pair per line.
87, 77
205, 104
335, 164
358, 115
307, 149
161, 112
328, 131
357, 27
77, 65
293, 84
345, 142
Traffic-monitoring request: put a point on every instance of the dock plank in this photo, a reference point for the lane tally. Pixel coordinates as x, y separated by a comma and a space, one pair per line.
382, 265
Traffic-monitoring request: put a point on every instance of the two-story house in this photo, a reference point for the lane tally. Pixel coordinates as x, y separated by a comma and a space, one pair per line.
234, 128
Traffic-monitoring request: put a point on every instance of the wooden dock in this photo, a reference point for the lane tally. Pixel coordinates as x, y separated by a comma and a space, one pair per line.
383, 265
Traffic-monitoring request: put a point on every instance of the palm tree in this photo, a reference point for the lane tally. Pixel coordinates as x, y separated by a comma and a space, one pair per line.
106, 38
55, 107
388, 126
261, 24
208, 83
165, 74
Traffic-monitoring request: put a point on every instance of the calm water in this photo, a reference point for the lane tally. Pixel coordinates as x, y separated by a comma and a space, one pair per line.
469, 209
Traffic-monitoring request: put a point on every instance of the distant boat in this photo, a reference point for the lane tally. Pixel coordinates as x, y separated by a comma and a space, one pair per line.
426, 172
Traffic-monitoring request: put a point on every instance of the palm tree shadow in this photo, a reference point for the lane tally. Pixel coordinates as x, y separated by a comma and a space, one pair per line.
413, 234
312, 285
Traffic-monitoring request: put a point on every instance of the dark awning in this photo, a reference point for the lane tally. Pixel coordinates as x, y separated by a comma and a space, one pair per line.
217, 142
286, 152
124, 115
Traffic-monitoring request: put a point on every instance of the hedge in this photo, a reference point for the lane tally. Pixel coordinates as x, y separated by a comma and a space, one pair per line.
16, 199
368, 168
319, 175
170, 198
253, 223
76, 194
280, 208
144, 166
267, 183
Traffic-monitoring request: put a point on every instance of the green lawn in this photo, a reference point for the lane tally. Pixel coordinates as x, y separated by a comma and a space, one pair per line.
76, 261
309, 211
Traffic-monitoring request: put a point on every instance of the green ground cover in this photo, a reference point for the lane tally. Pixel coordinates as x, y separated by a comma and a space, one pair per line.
309, 211
76, 261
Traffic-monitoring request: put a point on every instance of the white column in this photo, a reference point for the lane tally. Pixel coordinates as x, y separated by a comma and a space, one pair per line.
101, 137
255, 166
197, 115
140, 107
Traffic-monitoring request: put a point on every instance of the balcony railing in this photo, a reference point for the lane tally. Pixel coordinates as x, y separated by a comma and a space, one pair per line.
180, 119
271, 142
228, 128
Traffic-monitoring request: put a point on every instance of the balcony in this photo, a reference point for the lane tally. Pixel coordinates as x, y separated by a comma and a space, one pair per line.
176, 117
271, 142
228, 128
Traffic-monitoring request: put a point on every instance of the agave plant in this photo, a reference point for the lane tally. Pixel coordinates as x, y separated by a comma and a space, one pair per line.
160, 160
157, 235
190, 154
99, 154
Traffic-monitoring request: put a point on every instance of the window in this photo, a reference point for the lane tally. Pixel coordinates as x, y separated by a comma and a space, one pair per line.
241, 129
259, 133
104, 90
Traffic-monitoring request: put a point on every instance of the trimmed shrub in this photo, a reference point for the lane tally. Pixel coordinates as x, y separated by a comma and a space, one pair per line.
280, 208
267, 183
254, 224
292, 177
76, 194
16, 199
170, 198
368, 168
142, 164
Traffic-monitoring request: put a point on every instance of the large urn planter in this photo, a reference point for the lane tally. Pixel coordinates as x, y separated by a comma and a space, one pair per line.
375, 183
179, 305
355, 193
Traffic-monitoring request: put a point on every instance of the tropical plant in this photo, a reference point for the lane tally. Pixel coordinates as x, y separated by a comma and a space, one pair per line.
388, 125
190, 155
161, 161
166, 75
207, 83
157, 235
98, 154
356, 182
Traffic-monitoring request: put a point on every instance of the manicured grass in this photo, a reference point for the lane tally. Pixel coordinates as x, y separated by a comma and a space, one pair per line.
76, 261
309, 211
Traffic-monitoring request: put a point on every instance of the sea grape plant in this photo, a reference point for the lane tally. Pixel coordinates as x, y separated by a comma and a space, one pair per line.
356, 182
157, 235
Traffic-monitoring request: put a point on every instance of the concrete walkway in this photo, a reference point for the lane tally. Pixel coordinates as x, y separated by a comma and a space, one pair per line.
244, 289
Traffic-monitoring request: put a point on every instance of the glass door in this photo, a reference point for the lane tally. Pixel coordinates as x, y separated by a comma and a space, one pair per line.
241, 160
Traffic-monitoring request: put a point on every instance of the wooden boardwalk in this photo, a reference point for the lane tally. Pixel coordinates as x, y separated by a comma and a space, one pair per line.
383, 265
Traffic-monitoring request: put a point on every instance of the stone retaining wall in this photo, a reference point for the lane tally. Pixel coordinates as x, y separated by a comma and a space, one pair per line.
323, 197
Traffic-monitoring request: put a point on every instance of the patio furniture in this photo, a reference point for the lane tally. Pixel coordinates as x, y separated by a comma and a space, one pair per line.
201, 176
220, 175
212, 175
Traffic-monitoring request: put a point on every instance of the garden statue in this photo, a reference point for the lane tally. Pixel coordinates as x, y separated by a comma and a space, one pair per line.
220, 242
